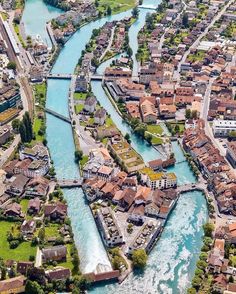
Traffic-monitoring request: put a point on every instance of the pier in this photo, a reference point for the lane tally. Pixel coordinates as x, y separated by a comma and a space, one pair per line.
73, 183
58, 115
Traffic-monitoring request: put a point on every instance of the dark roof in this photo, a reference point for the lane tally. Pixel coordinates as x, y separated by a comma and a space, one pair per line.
55, 251
58, 274
100, 113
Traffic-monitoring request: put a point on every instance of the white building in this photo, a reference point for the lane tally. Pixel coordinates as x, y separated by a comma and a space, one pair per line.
110, 230
222, 128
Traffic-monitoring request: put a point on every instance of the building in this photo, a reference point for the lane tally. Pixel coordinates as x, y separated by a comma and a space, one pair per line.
9, 98
81, 84
23, 266
90, 104
55, 211
55, 253
231, 153
58, 274
146, 237
222, 128
100, 116
17, 186
148, 111
158, 180
110, 230
13, 285
5, 134
28, 228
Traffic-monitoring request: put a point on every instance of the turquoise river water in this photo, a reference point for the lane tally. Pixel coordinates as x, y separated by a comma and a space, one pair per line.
171, 263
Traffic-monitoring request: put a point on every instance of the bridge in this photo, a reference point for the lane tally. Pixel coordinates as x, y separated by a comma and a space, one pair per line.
191, 187
72, 183
180, 161
149, 7
59, 76
96, 78
58, 115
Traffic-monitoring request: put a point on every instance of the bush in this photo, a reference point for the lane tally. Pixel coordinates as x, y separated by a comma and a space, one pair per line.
14, 244
139, 258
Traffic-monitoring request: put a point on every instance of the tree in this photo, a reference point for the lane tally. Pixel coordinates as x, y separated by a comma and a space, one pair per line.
22, 132
194, 114
127, 138
188, 113
185, 21
208, 229
232, 135
75, 262
139, 258
41, 235
177, 128
149, 138
109, 11
129, 51
196, 282
160, 8
191, 291
78, 155
231, 279
140, 130
16, 125
76, 291
33, 288
135, 12
11, 65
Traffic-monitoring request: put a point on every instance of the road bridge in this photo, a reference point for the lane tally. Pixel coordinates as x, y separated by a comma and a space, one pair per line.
191, 187
59, 76
70, 183
58, 115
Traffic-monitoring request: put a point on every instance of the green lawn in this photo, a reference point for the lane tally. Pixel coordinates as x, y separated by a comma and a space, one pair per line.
155, 129
22, 252
17, 30
36, 127
84, 161
79, 108
80, 96
24, 205
109, 122
40, 91
116, 6
52, 231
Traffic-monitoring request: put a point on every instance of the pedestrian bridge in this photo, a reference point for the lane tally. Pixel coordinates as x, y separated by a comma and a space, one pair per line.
58, 115
149, 7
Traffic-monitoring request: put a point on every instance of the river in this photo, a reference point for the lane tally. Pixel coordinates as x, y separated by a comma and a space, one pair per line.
172, 261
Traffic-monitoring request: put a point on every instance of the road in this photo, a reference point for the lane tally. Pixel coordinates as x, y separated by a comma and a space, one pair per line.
206, 101
176, 75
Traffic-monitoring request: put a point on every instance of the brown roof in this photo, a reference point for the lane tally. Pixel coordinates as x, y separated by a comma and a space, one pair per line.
12, 284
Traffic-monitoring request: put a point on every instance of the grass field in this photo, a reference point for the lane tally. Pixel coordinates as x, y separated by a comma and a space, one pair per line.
21, 253
80, 96
116, 6
52, 231
24, 205
155, 129
36, 127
